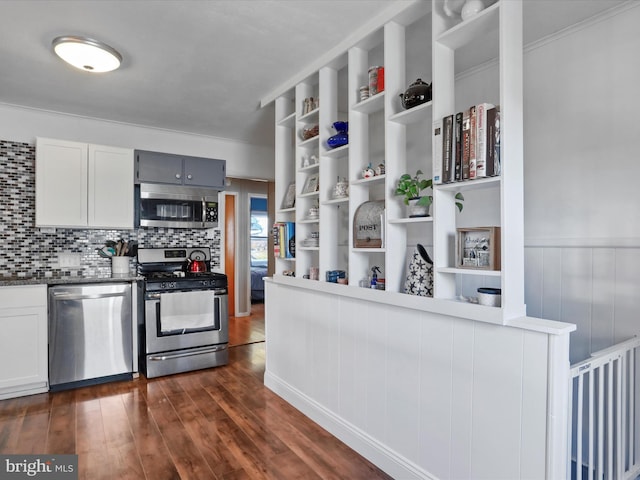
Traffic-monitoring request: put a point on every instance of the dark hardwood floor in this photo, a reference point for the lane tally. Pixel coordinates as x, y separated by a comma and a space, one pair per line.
220, 423
249, 329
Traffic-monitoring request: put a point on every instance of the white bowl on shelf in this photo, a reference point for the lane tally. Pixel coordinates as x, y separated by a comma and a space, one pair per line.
491, 297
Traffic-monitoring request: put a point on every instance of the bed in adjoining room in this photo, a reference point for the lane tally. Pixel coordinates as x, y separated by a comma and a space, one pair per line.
257, 283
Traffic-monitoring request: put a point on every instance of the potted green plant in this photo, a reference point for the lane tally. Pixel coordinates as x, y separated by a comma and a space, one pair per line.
411, 187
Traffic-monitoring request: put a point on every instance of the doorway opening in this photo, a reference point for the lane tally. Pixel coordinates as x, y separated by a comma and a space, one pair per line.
258, 246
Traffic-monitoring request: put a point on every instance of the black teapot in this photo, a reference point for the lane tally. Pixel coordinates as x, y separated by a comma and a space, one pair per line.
417, 93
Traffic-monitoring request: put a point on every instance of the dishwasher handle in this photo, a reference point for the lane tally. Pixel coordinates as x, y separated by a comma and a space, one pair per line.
83, 296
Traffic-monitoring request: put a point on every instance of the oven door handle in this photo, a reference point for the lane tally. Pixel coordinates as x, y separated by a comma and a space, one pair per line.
216, 291
171, 356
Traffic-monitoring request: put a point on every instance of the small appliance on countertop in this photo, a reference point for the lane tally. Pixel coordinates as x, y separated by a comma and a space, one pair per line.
183, 319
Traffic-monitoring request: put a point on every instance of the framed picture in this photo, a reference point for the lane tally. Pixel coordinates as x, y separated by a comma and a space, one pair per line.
478, 248
290, 197
311, 185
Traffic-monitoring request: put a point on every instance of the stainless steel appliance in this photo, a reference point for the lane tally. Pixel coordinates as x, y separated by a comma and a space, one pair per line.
184, 322
175, 206
90, 334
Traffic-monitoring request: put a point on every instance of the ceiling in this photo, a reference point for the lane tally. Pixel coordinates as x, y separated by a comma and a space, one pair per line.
197, 66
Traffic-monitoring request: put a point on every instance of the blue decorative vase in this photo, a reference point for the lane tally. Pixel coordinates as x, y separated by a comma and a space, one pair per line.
342, 137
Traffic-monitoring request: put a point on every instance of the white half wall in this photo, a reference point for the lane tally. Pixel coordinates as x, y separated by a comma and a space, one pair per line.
420, 394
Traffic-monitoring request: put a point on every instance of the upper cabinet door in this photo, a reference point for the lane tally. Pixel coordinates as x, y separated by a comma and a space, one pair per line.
204, 172
110, 200
156, 167
61, 183
82, 185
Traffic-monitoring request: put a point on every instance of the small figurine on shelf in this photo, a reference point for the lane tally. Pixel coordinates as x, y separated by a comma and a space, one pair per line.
368, 172
310, 104
380, 169
308, 161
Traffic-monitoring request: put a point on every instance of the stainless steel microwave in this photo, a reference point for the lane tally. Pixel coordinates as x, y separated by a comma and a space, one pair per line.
173, 206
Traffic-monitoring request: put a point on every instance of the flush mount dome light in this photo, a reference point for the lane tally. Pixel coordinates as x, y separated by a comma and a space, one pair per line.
87, 54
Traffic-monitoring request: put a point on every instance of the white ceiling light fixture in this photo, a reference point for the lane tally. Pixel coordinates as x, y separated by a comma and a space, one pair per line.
87, 54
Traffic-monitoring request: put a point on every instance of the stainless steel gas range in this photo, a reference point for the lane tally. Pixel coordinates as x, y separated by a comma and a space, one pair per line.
184, 321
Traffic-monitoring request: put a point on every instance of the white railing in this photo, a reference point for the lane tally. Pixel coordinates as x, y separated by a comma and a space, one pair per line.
604, 438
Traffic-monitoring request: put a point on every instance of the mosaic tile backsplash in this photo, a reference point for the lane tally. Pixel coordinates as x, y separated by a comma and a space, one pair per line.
26, 251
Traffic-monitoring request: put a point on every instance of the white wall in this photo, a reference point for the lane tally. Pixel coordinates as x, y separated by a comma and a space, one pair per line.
243, 160
582, 228
581, 131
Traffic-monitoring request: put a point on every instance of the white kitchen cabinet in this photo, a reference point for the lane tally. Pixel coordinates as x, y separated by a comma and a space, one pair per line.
61, 183
23, 343
83, 185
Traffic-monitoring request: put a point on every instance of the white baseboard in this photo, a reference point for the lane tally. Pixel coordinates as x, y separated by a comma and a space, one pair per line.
23, 390
377, 453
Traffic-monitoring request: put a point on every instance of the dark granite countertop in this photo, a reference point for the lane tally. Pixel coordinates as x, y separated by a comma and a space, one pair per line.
65, 280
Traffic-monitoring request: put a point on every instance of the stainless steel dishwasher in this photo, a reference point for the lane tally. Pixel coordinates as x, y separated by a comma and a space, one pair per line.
90, 334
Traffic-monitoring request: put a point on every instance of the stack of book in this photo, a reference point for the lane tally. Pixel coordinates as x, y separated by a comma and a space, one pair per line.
467, 144
284, 239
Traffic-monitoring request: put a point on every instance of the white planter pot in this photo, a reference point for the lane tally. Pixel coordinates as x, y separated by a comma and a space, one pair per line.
416, 210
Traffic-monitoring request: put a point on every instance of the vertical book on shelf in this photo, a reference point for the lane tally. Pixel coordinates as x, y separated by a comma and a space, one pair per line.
284, 239
437, 151
448, 149
481, 138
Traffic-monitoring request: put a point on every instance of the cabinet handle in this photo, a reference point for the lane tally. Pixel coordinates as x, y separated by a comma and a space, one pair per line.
189, 177
178, 176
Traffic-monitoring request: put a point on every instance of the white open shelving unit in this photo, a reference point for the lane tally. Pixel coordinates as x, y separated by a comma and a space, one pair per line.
418, 42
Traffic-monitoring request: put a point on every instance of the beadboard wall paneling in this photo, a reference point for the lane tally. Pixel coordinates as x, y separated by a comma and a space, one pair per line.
422, 395
596, 288
26, 251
